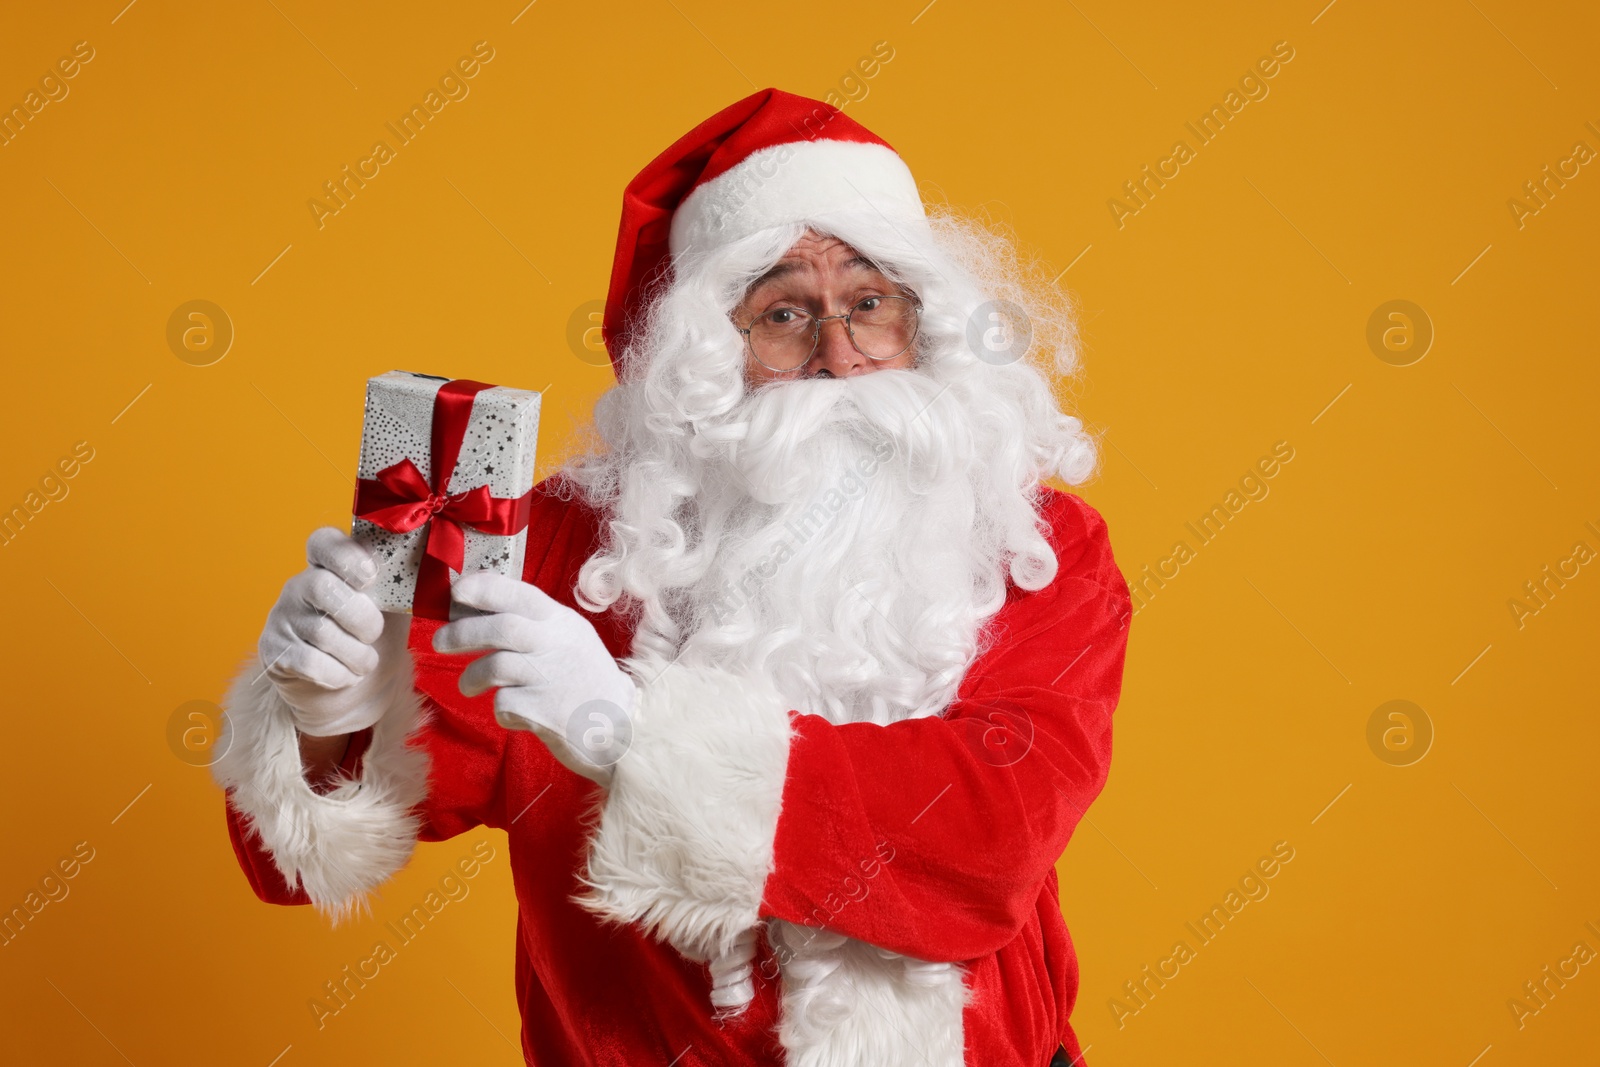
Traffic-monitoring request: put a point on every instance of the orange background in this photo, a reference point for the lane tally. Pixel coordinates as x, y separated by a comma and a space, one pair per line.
1225, 316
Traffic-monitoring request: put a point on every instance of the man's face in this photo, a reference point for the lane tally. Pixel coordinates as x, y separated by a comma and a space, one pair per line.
824, 276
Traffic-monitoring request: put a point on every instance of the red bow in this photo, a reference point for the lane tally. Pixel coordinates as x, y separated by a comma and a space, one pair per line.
400, 500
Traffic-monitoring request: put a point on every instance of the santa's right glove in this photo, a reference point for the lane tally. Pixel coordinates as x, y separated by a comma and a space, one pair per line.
551, 672
333, 657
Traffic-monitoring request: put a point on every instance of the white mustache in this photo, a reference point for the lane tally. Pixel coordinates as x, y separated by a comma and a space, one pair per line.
782, 424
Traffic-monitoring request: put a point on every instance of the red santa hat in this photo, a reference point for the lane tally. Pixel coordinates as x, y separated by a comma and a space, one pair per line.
770, 159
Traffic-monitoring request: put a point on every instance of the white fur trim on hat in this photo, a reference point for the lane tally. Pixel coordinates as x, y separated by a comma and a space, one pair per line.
796, 182
341, 845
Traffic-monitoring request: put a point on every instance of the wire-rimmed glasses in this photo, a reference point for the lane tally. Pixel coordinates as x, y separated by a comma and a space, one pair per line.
880, 328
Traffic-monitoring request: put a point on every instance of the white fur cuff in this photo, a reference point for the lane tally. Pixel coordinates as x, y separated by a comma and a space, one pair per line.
685, 840
341, 845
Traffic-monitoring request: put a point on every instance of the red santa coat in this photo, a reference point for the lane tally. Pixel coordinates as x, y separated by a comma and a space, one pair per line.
934, 838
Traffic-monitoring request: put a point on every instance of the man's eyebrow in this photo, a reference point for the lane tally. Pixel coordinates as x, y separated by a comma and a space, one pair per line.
789, 266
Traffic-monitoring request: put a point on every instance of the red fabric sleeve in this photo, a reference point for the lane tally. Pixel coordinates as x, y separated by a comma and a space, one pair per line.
932, 837
264, 878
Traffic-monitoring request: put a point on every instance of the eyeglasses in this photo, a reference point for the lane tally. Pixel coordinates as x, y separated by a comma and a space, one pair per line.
880, 328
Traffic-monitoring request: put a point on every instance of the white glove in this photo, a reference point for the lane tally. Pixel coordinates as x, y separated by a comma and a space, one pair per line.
331, 654
554, 674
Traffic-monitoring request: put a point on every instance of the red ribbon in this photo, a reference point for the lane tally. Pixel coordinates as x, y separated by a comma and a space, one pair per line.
400, 500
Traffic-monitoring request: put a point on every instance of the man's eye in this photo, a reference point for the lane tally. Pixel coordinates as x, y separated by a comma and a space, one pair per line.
782, 316
869, 304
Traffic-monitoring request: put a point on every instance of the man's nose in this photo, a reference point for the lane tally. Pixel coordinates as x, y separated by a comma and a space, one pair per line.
836, 354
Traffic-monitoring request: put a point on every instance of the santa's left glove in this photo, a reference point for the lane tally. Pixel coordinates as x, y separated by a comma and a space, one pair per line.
553, 674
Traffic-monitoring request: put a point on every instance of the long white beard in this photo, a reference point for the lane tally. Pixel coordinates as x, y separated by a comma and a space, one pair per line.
847, 544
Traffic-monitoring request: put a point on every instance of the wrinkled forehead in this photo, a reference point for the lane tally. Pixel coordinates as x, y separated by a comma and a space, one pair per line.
816, 256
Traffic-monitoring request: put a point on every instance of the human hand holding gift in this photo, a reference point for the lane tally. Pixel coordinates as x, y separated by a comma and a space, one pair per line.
555, 677
334, 645
328, 650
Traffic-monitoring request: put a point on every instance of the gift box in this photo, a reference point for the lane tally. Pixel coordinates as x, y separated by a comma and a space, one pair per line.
444, 485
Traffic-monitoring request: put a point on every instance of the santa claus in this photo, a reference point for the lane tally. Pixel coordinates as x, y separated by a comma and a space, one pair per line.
809, 675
